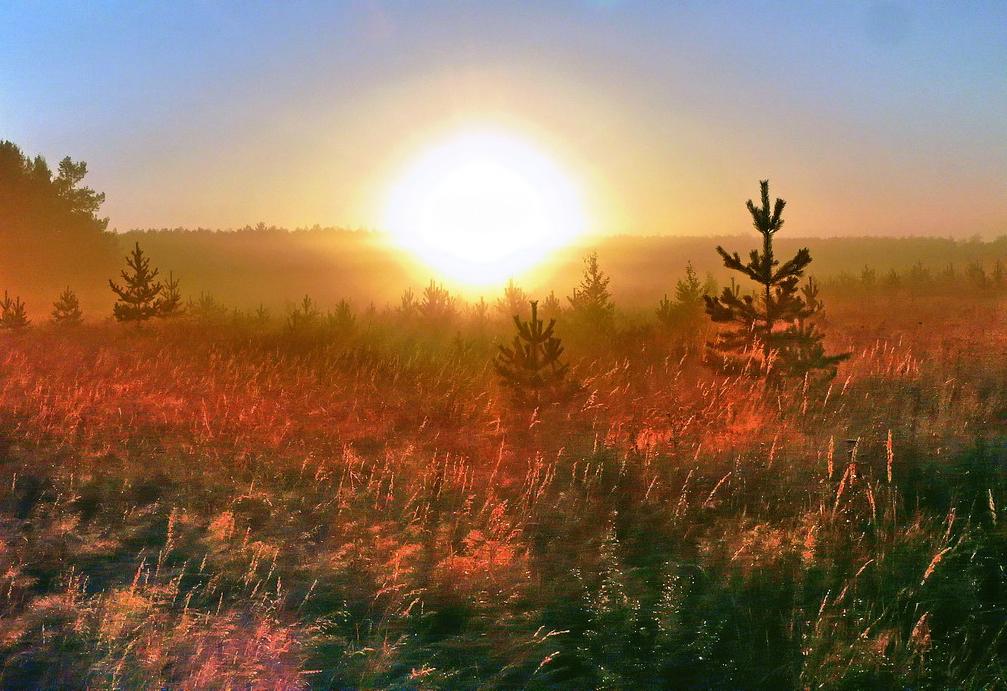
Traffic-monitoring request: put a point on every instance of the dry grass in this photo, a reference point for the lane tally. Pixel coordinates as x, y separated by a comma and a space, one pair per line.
194, 508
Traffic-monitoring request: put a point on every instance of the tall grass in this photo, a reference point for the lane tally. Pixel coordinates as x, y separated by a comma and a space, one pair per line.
240, 506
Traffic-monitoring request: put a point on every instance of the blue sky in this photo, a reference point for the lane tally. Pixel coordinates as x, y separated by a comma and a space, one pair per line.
870, 117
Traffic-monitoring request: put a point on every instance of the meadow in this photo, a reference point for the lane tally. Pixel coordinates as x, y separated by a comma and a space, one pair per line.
220, 500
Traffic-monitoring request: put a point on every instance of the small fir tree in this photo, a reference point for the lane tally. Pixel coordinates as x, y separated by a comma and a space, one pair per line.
341, 320
304, 316
552, 308
685, 314
408, 305
531, 366
207, 309
437, 306
591, 303
66, 310
868, 279
171, 298
770, 333
892, 281
140, 294
13, 314
479, 314
514, 300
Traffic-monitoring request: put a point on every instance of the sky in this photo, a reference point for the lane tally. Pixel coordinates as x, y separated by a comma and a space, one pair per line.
870, 118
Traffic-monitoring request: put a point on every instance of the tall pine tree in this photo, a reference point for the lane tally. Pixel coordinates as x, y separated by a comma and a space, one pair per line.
769, 333
140, 294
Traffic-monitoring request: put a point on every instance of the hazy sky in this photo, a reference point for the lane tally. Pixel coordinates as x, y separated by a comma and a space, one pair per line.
869, 117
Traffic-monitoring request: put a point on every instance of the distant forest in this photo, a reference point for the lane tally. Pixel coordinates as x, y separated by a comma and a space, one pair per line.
53, 237
275, 267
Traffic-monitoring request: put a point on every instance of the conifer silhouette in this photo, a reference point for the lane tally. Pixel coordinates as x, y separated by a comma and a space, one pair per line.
341, 321
171, 298
13, 314
591, 302
552, 308
531, 366
437, 306
513, 301
408, 305
771, 333
140, 294
685, 313
304, 316
66, 310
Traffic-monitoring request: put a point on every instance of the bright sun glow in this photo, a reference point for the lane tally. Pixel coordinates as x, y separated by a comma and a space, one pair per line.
482, 206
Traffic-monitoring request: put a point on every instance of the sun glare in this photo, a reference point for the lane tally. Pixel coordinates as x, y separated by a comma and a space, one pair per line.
483, 205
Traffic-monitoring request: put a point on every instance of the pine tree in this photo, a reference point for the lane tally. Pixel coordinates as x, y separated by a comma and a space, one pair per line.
140, 295
437, 306
514, 300
552, 308
304, 316
13, 314
341, 321
66, 309
892, 281
686, 312
171, 298
531, 366
479, 313
771, 333
591, 302
868, 279
408, 306
206, 309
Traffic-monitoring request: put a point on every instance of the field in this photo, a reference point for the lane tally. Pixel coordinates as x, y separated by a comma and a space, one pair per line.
216, 501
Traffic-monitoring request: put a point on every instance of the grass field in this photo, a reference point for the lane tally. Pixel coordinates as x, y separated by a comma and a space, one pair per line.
227, 505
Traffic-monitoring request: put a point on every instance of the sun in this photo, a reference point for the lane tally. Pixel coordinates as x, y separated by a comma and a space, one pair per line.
483, 205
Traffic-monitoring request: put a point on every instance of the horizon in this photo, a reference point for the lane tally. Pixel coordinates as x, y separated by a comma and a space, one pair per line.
663, 117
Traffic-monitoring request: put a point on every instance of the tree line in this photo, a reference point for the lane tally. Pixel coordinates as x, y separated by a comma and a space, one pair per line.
771, 331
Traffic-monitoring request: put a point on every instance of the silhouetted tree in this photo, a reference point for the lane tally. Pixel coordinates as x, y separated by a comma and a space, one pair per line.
140, 294
770, 333
341, 320
479, 313
66, 310
304, 316
514, 300
591, 303
552, 308
437, 306
49, 224
531, 366
408, 306
206, 309
171, 298
13, 314
685, 314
